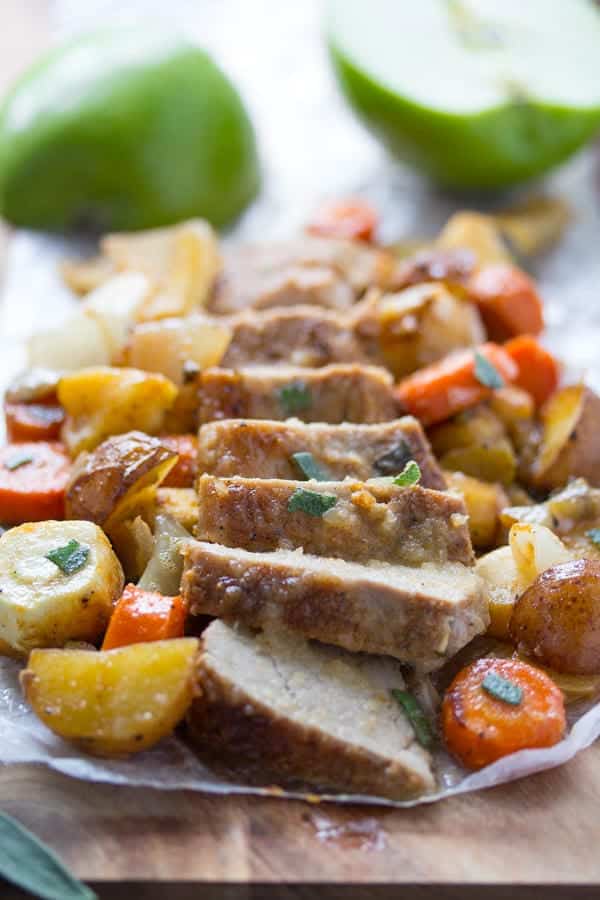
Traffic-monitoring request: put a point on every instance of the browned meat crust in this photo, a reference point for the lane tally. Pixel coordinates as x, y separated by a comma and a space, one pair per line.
264, 449
372, 520
421, 616
336, 393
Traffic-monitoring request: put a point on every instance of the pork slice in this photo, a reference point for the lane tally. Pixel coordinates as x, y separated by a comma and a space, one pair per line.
421, 616
307, 270
370, 520
299, 336
264, 449
336, 393
278, 708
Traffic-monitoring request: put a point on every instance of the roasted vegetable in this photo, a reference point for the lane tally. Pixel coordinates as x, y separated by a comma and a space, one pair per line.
353, 219
180, 504
557, 619
510, 570
33, 479
571, 440
119, 701
142, 616
112, 483
539, 371
163, 572
457, 382
181, 262
103, 401
58, 581
95, 332
479, 234
499, 571
177, 348
475, 442
184, 472
422, 324
507, 300
495, 707
484, 503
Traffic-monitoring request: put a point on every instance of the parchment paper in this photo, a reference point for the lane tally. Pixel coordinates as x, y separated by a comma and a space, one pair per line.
311, 148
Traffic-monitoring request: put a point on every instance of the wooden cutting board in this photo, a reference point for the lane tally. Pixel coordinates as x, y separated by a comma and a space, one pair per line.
543, 831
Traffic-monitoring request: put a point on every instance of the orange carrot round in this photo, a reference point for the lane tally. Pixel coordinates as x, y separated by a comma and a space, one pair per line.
539, 371
184, 472
352, 219
508, 301
33, 421
33, 478
141, 616
443, 389
480, 727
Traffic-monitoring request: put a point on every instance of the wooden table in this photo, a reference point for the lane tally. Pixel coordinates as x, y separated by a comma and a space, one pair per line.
541, 831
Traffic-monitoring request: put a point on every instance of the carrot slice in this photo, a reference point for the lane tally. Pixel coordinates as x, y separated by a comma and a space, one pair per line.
184, 472
508, 301
480, 727
439, 391
142, 616
33, 421
539, 371
33, 478
352, 219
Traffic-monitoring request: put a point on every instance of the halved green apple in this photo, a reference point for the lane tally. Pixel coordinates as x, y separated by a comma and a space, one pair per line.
475, 93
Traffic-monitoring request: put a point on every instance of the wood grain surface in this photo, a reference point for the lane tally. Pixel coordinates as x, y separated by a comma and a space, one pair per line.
540, 831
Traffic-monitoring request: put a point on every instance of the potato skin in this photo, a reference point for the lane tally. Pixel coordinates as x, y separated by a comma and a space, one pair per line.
557, 619
571, 439
102, 478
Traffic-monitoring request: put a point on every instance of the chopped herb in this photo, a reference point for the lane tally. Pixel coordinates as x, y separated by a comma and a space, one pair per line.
502, 689
394, 459
594, 535
29, 864
487, 374
309, 467
294, 397
310, 502
18, 460
410, 474
70, 558
415, 715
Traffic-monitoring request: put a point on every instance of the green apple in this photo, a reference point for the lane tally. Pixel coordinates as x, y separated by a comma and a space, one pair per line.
125, 129
475, 93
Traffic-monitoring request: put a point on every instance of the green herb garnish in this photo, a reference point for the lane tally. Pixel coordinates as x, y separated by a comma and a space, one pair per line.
410, 474
594, 535
70, 558
29, 864
310, 502
487, 374
415, 715
309, 467
294, 397
18, 460
394, 459
502, 689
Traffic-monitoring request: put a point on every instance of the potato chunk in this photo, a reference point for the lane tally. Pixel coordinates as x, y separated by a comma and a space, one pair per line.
571, 439
41, 605
103, 401
107, 483
118, 702
557, 619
